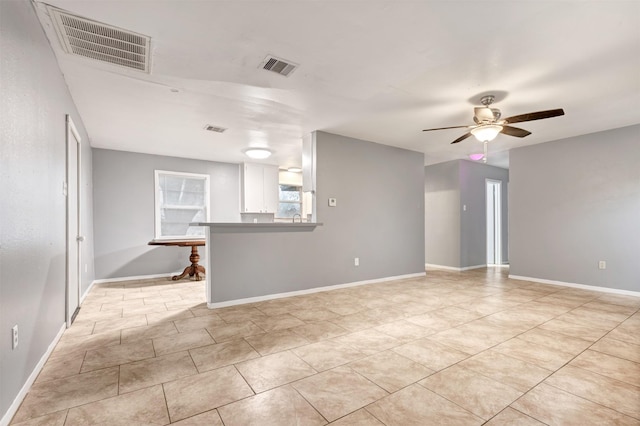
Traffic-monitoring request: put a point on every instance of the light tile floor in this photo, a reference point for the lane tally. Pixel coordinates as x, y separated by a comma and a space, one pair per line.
465, 348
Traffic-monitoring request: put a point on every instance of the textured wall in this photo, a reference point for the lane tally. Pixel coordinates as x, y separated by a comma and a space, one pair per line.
124, 210
379, 218
574, 202
33, 104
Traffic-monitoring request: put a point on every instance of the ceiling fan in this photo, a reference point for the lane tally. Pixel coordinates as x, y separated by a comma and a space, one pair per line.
488, 122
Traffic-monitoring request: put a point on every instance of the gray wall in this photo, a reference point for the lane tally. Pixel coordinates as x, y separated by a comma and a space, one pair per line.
442, 214
33, 105
455, 237
575, 202
379, 218
123, 185
473, 223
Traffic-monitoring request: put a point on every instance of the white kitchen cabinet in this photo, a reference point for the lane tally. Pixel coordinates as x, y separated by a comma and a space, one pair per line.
259, 188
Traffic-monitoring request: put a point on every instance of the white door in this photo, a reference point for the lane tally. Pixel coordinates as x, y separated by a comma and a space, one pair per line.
74, 237
494, 222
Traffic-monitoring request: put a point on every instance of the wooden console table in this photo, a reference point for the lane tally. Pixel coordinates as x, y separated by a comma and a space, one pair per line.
194, 258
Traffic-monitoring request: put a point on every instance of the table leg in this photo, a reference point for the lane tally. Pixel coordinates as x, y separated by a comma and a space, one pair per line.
194, 268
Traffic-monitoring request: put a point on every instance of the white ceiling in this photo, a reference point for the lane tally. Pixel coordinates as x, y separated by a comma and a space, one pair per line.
375, 70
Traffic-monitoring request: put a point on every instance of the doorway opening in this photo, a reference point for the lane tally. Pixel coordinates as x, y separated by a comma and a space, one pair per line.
494, 222
74, 237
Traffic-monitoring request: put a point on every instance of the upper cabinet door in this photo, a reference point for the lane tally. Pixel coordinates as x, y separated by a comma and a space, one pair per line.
270, 188
252, 187
259, 188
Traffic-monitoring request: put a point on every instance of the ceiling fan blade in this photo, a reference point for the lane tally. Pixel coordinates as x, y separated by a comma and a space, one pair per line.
444, 128
535, 116
461, 138
515, 131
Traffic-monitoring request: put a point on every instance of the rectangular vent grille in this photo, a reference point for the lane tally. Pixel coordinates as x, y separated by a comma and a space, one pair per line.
279, 66
216, 129
102, 42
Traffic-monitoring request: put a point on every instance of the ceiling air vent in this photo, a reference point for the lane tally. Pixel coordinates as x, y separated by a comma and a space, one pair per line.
90, 39
216, 129
279, 66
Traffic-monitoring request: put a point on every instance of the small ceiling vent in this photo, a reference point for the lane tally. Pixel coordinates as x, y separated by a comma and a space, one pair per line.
90, 39
279, 66
216, 129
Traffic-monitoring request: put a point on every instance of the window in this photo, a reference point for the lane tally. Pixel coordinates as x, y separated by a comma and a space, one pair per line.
181, 198
290, 203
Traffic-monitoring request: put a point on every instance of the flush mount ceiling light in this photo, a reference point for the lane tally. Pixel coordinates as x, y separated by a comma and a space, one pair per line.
294, 169
258, 153
486, 133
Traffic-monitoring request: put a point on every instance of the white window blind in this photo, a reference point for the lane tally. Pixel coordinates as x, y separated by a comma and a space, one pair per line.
290, 202
181, 198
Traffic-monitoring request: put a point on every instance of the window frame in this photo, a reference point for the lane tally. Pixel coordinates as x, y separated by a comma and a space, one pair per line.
280, 201
157, 206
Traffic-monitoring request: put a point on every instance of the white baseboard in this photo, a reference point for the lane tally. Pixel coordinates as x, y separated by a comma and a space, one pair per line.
84, 295
6, 419
138, 277
580, 286
452, 268
467, 268
215, 305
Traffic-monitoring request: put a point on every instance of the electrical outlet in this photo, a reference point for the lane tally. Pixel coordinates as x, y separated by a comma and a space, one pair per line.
333, 202
14, 332
602, 265
356, 261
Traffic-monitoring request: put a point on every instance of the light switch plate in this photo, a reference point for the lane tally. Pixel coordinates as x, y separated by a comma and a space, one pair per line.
333, 202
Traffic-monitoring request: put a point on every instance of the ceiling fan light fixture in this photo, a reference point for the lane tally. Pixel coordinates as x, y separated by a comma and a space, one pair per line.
258, 153
487, 132
476, 157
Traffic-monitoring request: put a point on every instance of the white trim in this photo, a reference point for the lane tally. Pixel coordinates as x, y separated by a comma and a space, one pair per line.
434, 266
467, 268
84, 295
138, 277
497, 222
156, 192
72, 234
453, 268
207, 266
581, 286
13, 408
215, 305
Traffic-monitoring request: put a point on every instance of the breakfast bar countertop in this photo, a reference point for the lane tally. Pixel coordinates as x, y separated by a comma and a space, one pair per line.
240, 227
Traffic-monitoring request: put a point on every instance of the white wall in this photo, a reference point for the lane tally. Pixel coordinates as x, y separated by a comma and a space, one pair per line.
574, 202
34, 102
